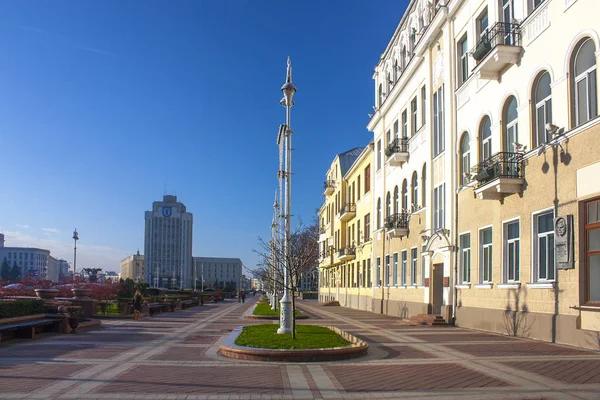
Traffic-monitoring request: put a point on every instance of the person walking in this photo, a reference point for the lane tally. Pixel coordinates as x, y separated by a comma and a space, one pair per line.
137, 305
243, 297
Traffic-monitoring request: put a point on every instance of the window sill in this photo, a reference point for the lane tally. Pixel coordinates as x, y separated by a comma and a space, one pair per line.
463, 286
483, 286
512, 285
422, 287
411, 287
540, 285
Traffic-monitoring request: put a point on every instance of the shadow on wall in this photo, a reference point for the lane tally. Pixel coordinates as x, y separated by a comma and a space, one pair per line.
517, 321
593, 340
402, 310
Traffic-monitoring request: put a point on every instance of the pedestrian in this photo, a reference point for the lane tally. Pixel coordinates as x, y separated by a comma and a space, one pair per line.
137, 305
239, 296
243, 297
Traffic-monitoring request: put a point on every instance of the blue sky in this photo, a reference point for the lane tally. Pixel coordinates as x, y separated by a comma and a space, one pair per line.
104, 104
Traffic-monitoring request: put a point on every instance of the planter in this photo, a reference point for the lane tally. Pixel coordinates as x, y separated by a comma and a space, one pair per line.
46, 294
483, 48
73, 323
81, 293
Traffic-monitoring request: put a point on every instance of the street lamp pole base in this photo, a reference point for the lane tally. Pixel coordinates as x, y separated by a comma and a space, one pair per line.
274, 301
285, 315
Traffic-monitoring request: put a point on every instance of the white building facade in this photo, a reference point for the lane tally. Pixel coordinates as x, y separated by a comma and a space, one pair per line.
168, 244
218, 273
32, 262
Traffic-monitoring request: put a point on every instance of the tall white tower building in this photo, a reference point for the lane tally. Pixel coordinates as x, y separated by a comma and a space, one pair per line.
168, 244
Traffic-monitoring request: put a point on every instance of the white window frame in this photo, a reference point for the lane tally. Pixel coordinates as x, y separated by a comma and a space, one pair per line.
439, 202
482, 248
486, 142
545, 107
378, 154
584, 76
465, 160
395, 269
438, 122
413, 113
423, 268
535, 245
378, 268
404, 267
405, 123
465, 254
414, 251
463, 60
386, 271
507, 243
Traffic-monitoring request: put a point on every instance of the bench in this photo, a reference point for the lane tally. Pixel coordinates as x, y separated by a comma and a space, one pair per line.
156, 308
189, 303
28, 329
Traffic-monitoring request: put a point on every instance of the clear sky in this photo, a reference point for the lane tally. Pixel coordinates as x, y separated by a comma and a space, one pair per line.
104, 104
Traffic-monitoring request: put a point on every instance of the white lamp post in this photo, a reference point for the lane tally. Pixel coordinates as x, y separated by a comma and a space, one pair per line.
274, 258
285, 317
75, 239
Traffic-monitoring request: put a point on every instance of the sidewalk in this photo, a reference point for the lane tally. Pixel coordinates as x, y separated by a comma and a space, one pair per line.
174, 356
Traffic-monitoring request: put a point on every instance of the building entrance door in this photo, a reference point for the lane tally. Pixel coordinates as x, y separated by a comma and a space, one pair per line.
438, 288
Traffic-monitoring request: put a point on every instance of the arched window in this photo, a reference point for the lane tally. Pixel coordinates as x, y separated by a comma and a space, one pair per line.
380, 95
465, 158
542, 102
510, 124
379, 213
388, 83
415, 189
395, 70
586, 98
485, 139
404, 196
424, 186
403, 60
396, 200
388, 205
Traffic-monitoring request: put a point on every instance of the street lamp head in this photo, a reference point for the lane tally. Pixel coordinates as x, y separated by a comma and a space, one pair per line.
75, 235
288, 88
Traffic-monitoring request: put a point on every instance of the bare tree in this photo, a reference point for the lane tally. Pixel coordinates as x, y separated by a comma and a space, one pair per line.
302, 258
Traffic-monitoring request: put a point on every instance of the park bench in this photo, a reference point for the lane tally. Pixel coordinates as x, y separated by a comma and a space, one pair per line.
156, 308
189, 303
28, 329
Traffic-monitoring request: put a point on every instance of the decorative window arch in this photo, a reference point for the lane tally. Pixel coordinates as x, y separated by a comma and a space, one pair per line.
379, 213
403, 59
415, 189
396, 75
510, 125
584, 82
424, 186
388, 82
404, 195
465, 158
542, 108
485, 139
380, 94
388, 205
396, 200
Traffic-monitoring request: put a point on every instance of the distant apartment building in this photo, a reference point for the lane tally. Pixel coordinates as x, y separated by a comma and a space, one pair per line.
309, 281
218, 273
134, 267
168, 244
32, 262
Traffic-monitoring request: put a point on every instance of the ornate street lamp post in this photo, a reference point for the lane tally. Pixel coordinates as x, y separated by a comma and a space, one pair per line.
75, 239
286, 316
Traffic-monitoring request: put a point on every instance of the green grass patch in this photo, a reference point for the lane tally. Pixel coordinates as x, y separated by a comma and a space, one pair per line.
265, 309
307, 337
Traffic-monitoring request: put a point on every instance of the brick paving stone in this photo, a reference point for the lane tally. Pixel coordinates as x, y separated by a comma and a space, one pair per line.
567, 371
197, 380
459, 337
374, 338
202, 339
181, 354
24, 378
518, 349
385, 378
404, 352
72, 351
99, 337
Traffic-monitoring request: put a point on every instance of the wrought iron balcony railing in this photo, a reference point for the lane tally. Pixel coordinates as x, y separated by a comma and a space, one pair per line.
348, 207
398, 145
347, 251
397, 221
500, 165
322, 229
329, 185
501, 33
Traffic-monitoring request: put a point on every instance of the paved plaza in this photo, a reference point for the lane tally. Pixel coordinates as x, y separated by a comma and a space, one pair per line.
175, 356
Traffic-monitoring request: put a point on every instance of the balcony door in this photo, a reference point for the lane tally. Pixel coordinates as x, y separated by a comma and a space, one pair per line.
508, 14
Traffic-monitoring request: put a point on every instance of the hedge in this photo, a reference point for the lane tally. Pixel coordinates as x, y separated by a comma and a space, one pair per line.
19, 308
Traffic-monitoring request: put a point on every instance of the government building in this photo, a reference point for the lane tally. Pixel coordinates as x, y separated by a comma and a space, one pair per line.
483, 174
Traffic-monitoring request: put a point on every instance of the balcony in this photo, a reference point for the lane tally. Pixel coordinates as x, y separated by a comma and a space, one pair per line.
329, 187
498, 49
397, 224
397, 152
346, 254
348, 212
499, 175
